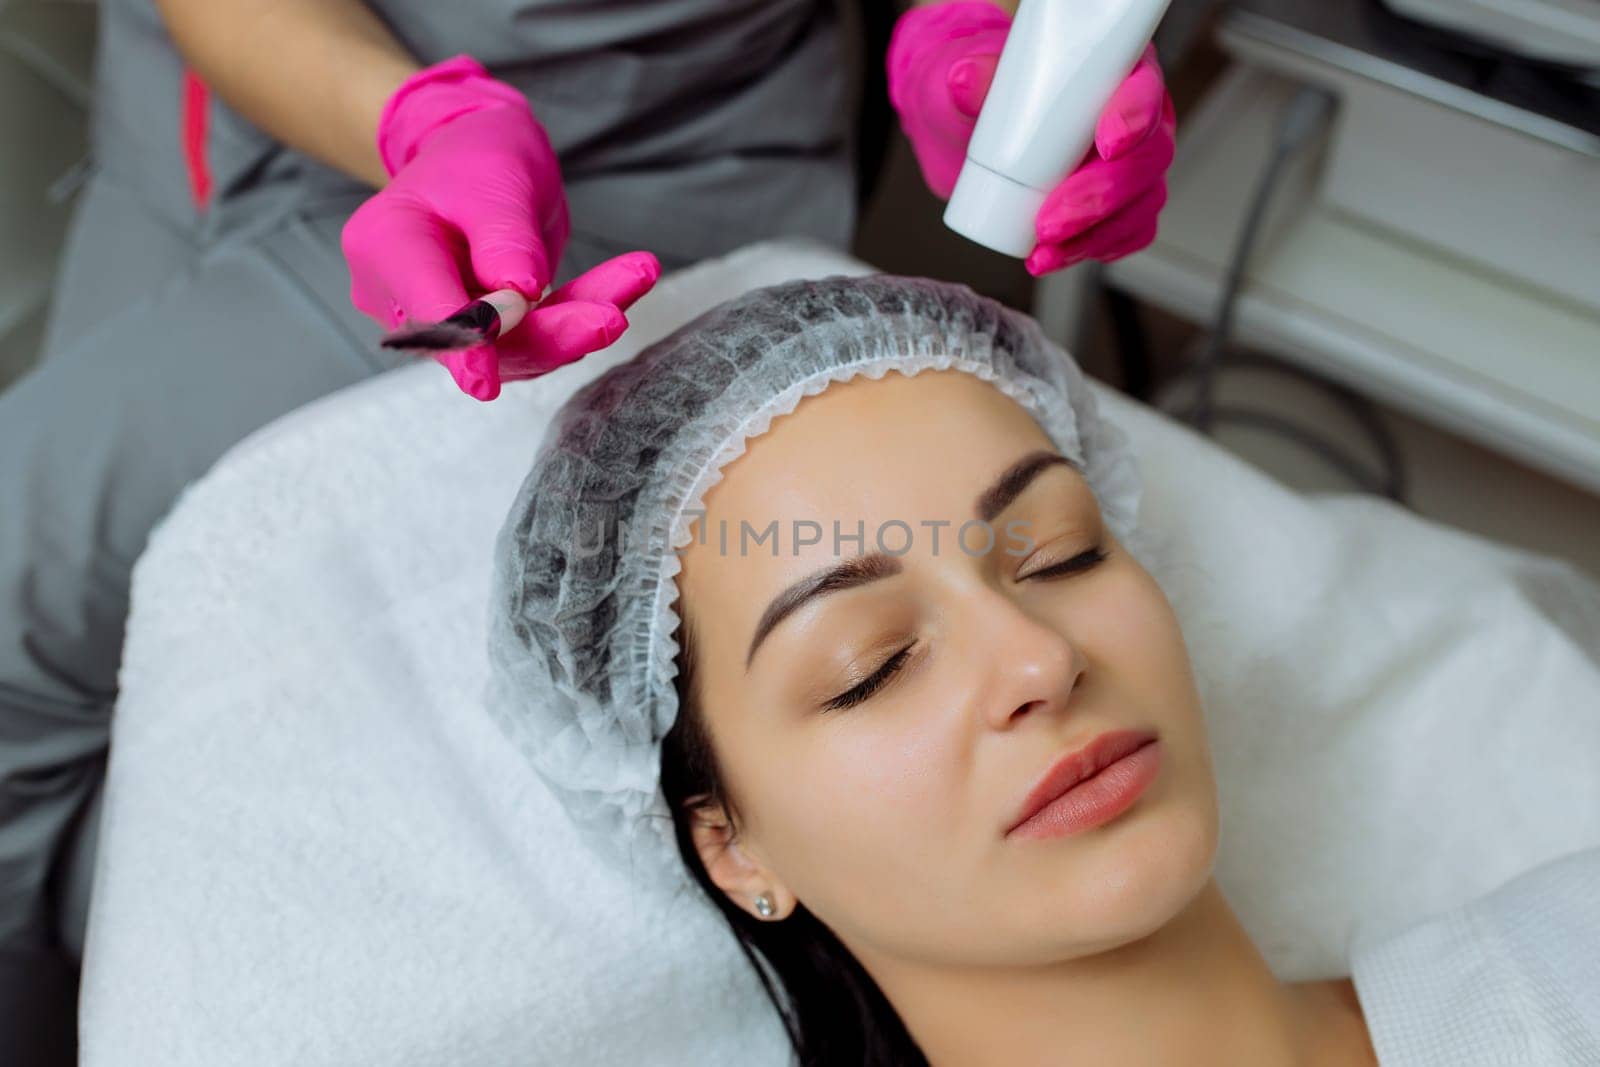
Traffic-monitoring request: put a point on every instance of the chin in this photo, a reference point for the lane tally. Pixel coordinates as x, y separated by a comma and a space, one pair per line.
1127, 881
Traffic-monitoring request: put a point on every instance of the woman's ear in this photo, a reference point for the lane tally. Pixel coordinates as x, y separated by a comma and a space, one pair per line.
730, 867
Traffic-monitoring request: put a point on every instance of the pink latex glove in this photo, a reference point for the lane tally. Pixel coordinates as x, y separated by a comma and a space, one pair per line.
475, 204
941, 60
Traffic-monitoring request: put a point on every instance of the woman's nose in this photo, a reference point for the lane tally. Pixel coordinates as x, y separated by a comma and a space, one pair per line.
1033, 668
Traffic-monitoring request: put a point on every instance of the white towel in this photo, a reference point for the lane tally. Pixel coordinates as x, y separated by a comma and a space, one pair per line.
1511, 979
317, 849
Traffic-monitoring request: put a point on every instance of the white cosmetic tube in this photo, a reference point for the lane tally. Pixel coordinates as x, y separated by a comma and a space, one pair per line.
1061, 62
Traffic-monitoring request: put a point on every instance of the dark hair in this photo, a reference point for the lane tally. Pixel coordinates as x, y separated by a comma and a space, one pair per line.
834, 1012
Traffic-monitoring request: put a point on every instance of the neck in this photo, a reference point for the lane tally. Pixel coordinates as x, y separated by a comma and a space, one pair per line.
1196, 992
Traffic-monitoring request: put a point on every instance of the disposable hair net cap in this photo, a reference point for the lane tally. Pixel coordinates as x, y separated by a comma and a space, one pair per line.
582, 619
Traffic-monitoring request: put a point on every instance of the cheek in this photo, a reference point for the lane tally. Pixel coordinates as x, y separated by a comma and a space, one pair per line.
871, 782
864, 819
1132, 634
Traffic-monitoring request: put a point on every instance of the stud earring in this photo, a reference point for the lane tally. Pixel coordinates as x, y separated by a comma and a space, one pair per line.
764, 906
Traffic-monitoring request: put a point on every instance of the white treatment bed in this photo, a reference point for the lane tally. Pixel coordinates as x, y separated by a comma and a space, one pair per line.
316, 848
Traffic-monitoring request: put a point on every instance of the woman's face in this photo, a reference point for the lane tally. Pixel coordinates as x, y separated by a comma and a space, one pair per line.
879, 738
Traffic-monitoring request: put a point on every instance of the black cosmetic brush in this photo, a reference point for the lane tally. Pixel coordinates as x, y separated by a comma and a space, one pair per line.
479, 322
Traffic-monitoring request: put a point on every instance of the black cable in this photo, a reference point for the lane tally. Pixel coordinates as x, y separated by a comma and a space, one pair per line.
1285, 427
1389, 481
1305, 116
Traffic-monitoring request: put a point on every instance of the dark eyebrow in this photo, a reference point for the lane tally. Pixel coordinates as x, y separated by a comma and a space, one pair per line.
846, 574
1017, 477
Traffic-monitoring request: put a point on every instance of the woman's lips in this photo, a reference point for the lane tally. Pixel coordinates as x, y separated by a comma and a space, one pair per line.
1091, 786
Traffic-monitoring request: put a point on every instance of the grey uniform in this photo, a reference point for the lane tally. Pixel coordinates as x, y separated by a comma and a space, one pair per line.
686, 127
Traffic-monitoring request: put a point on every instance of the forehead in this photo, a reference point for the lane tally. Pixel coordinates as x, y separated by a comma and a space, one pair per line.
863, 452
866, 448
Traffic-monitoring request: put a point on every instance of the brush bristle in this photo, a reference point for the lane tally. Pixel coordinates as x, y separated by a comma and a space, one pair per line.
438, 337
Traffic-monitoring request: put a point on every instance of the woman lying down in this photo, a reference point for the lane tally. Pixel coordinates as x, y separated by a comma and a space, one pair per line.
928, 735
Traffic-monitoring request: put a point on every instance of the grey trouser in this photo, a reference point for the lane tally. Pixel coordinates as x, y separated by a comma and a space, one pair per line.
159, 356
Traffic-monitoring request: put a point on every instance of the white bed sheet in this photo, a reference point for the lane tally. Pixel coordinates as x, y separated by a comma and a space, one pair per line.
317, 848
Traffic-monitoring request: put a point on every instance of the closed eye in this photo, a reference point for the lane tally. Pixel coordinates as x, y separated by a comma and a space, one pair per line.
1081, 562
879, 677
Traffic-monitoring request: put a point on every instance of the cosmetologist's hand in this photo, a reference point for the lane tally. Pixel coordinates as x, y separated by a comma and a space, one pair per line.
475, 204
941, 60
